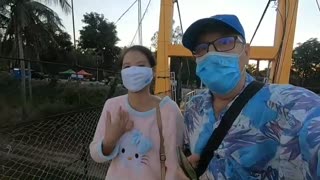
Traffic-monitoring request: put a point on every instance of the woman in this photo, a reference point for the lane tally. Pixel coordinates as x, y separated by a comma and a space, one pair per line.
127, 132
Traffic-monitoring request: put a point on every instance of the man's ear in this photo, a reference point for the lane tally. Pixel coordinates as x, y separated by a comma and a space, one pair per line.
247, 49
246, 54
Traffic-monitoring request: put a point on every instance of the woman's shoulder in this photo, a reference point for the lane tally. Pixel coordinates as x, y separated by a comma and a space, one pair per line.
168, 103
116, 100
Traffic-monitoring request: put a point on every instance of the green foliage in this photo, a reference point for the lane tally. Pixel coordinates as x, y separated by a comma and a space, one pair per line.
39, 31
49, 99
32, 20
98, 38
36, 30
176, 37
306, 62
58, 51
154, 40
98, 33
251, 68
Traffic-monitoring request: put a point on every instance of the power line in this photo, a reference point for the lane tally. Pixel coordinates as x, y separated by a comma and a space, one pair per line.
139, 19
73, 26
318, 4
295, 7
179, 15
144, 13
264, 12
126, 11
284, 22
180, 19
134, 37
54, 63
280, 49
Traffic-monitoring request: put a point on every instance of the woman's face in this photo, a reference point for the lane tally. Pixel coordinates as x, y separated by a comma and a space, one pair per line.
135, 58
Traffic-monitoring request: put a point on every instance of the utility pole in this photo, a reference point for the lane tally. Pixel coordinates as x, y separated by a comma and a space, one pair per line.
139, 22
74, 31
97, 59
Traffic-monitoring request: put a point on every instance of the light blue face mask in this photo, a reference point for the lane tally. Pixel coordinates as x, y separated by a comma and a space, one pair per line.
136, 78
220, 72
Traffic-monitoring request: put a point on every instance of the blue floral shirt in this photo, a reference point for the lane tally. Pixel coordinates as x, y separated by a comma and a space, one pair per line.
276, 136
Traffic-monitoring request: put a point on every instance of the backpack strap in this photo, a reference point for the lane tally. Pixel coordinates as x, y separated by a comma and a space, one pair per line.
227, 120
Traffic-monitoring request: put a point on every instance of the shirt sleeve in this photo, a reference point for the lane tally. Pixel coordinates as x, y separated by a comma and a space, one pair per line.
197, 135
96, 144
309, 139
309, 136
303, 129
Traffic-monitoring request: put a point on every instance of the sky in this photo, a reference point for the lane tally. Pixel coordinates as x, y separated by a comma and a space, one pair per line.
248, 11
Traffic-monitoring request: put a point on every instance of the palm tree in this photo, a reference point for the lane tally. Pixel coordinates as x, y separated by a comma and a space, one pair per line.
24, 15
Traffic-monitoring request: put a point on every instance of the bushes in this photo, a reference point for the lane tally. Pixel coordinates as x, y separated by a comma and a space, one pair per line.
9, 114
48, 99
84, 95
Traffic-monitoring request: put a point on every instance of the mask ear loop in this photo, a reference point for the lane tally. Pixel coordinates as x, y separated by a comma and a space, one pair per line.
245, 66
243, 48
244, 70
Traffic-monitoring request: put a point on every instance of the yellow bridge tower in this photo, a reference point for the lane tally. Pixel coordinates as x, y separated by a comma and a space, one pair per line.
279, 54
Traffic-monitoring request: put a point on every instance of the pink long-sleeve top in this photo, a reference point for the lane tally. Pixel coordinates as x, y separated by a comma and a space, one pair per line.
136, 155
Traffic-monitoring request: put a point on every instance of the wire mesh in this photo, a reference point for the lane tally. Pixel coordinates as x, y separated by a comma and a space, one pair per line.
55, 148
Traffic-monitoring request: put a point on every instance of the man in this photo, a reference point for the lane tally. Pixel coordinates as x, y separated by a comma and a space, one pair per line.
277, 133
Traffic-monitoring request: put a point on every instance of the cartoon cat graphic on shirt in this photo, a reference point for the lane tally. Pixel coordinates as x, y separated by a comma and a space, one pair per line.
134, 148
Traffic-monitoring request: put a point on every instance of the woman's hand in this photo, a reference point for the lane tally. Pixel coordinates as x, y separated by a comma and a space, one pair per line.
115, 128
194, 160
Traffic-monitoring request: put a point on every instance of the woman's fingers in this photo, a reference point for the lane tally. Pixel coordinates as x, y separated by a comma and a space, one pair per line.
129, 125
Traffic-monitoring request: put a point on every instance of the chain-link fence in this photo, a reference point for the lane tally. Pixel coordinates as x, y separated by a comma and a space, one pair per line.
54, 148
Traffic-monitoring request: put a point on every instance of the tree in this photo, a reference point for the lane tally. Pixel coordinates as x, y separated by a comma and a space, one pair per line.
58, 50
100, 36
176, 37
154, 40
306, 61
19, 16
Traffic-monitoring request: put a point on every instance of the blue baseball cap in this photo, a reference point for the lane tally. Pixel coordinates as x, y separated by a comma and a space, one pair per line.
191, 35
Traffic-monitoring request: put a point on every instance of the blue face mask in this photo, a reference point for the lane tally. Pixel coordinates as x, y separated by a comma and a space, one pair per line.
220, 72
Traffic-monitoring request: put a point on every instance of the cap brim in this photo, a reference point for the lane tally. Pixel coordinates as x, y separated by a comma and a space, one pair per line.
192, 33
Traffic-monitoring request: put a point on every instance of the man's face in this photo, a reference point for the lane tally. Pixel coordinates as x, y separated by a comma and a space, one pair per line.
219, 42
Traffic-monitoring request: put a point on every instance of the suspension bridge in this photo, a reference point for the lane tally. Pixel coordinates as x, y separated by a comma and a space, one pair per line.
57, 147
